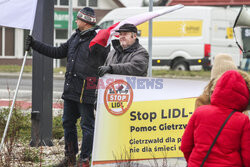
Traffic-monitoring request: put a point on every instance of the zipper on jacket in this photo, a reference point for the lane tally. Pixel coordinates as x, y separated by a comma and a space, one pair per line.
82, 91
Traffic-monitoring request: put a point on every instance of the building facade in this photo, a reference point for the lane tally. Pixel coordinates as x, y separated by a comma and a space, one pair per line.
12, 39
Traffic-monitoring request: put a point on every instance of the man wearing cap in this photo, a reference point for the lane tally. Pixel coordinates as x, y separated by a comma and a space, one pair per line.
128, 57
81, 71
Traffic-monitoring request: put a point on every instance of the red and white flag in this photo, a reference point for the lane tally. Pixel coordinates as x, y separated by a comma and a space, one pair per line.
104, 36
18, 13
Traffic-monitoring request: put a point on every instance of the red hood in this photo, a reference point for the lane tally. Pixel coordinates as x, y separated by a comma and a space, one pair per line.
231, 91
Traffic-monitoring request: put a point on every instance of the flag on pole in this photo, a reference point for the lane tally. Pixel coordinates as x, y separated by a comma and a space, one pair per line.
141, 18
104, 36
18, 13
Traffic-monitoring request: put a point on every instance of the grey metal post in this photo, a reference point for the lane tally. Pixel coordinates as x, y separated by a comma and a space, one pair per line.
70, 14
3, 41
42, 80
150, 27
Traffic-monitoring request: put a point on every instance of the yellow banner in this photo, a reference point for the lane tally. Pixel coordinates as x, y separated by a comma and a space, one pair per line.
149, 129
172, 28
141, 119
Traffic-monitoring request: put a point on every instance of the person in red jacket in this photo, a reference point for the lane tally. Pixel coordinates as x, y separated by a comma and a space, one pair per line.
232, 147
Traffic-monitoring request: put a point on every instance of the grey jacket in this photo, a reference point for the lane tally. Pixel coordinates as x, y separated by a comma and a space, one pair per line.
130, 61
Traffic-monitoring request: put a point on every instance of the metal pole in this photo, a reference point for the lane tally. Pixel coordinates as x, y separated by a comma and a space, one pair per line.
3, 41
87, 3
42, 77
14, 99
150, 27
70, 11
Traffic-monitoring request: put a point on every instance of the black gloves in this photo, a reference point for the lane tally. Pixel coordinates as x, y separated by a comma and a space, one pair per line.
103, 70
28, 42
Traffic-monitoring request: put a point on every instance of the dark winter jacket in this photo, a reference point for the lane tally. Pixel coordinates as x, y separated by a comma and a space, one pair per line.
82, 64
232, 147
130, 61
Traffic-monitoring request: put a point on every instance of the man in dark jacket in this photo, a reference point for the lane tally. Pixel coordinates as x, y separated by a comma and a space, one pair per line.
128, 56
81, 71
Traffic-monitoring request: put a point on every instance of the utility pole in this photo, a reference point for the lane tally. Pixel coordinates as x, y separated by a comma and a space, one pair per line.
3, 41
70, 14
42, 77
150, 27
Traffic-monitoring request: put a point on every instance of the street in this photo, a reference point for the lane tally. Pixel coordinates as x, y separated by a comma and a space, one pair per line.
24, 92
8, 85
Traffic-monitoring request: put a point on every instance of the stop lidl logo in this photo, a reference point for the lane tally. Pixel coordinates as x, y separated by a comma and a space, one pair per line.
118, 97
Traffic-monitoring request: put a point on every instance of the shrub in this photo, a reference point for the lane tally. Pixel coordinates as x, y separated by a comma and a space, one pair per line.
28, 154
19, 126
57, 130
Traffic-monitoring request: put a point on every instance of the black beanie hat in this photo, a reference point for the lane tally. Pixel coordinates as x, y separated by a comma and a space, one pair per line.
127, 28
87, 15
